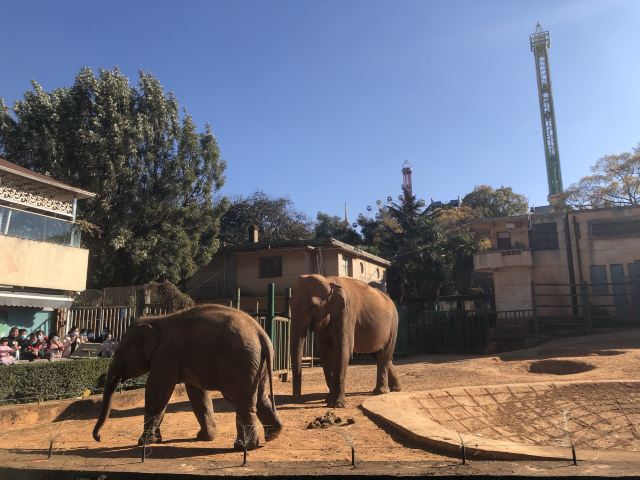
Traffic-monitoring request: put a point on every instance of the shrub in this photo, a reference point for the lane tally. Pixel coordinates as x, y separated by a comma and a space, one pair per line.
29, 382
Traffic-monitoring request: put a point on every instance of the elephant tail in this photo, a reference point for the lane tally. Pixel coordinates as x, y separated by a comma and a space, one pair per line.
266, 357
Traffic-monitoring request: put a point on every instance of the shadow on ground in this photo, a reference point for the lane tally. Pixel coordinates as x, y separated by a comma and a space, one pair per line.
582, 347
153, 451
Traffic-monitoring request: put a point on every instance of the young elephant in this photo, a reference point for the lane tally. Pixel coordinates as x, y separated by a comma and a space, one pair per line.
208, 347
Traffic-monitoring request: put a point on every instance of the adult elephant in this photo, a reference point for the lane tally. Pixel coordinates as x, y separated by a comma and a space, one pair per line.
348, 316
208, 347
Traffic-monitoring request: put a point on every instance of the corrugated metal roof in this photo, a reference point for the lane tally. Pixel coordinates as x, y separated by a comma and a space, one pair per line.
36, 300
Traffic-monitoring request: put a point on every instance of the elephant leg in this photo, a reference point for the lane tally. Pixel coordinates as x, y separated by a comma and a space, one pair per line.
268, 418
387, 379
326, 359
341, 361
157, 394
394, 382
203, 410
246, 428
382, 377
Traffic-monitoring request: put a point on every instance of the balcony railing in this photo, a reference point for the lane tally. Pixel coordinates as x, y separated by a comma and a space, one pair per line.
493, 260
33, 226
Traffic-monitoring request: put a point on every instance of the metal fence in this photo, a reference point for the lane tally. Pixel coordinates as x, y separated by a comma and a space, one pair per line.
422, 331
95, 319
587, 305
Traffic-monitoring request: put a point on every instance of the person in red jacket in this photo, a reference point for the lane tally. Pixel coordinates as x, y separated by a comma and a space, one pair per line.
33, 347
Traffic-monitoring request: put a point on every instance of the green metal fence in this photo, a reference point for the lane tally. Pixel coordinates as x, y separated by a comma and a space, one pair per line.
421, 331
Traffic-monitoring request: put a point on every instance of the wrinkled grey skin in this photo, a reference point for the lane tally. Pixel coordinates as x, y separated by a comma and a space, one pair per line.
348, 317
207, 347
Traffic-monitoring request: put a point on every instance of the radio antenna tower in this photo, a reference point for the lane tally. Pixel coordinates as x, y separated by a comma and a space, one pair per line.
406, 176
540, 44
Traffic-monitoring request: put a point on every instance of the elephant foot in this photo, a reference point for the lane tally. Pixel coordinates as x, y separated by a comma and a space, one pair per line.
381, 390
396, 388
148, 439
239, 445
272, 432
206, 436
337, 403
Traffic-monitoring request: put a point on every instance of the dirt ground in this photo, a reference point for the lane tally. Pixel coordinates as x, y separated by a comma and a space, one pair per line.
614, 355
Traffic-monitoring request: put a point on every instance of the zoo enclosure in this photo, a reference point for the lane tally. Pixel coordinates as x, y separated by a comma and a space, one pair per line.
277, 324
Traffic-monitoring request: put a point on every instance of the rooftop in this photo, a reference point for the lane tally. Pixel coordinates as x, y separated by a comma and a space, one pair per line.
293, 244
10, 167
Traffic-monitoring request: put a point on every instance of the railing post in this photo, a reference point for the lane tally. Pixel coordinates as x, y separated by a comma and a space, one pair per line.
287, 303
533, 307
271, 310
238, 298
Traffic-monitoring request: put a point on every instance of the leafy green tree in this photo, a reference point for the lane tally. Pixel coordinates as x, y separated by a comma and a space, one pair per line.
154, 216
410, 239
501, 202
276, 219
333, 226
615, 181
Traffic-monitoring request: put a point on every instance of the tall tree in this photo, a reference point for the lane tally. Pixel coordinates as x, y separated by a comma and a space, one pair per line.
275, 217
410, 239
615, 181
335, 227
501, 202
154, 174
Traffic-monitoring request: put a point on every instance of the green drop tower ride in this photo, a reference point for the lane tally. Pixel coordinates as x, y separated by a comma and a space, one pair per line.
540, 44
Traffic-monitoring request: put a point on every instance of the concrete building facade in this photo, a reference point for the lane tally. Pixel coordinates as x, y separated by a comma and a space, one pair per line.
598, 250
252, 266
41, 261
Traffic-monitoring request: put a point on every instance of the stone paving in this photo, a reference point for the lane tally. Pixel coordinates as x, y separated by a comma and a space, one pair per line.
597, 416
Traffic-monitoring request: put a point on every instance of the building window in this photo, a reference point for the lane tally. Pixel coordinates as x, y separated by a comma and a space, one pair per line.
270, 267
625, 228
504, 240
598, 277
361, 268
347, 269
378, 273
544, 236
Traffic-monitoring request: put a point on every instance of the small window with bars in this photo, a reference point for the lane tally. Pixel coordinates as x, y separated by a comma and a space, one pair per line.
504, 240
270, 267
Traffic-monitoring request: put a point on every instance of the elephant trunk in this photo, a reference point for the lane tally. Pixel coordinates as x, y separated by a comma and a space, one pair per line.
113, 377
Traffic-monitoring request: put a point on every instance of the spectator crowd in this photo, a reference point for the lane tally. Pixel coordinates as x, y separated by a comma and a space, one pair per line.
36, 345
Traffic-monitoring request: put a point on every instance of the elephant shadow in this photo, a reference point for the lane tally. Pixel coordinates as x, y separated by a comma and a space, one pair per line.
81, 411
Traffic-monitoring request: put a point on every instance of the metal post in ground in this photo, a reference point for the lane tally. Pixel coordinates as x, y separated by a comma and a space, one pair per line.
238, 298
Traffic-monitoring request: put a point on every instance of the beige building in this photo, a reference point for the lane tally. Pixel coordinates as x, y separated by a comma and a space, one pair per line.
41, 262
254, 265
546, 259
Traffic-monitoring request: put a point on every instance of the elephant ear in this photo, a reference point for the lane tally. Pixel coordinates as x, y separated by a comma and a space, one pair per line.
150, 338
337, 301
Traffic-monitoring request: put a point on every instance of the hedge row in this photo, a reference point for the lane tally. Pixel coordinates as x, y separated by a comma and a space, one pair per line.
31, 382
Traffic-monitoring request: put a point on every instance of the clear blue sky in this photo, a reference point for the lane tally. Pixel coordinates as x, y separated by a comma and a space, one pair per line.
322, 101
